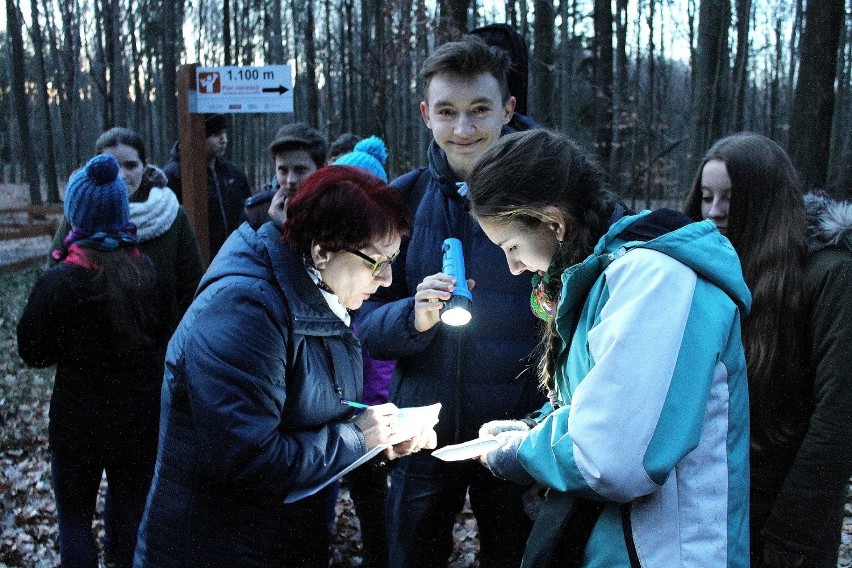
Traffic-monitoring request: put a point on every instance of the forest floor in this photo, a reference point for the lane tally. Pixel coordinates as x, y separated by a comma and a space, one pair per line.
28, 531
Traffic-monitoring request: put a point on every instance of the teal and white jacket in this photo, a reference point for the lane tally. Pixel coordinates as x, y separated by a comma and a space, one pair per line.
653, 380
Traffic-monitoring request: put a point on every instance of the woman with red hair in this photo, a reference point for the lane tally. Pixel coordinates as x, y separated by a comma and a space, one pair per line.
252, 419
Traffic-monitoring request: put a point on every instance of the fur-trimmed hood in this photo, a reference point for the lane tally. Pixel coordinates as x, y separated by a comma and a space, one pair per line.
829, 222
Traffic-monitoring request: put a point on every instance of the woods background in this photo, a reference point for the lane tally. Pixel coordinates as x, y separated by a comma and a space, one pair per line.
645, 84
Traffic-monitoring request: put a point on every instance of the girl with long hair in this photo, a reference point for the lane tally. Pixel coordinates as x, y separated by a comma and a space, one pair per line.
100, 316
798, 343
643, 447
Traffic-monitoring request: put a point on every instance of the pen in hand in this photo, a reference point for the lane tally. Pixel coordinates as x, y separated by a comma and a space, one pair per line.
354, 404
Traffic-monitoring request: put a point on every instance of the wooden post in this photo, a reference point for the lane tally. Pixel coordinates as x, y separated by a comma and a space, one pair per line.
193, 166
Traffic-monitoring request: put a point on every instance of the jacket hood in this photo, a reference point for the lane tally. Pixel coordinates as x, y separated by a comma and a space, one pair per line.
699, 245
829, 223
260, 255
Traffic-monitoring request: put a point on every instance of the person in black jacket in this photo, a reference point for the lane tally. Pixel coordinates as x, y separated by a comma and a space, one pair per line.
796, 256
227, 186
479, 372
254, 431
101, 316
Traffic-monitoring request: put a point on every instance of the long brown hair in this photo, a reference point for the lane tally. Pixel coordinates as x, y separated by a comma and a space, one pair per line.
767, 226
522, 174
130, 283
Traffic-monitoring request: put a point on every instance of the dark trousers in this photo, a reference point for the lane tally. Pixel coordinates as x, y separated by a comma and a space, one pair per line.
427, 494
368, 487
76, 478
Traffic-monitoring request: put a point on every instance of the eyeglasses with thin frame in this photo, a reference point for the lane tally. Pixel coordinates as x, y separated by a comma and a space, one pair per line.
376, 266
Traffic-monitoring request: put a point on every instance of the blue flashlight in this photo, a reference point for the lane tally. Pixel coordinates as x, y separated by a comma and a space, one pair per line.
456, 310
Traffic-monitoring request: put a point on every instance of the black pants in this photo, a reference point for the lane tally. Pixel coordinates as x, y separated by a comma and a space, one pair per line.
427, 494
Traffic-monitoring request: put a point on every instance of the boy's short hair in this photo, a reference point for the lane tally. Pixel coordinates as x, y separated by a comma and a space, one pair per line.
468, 57
300, 136
344, 144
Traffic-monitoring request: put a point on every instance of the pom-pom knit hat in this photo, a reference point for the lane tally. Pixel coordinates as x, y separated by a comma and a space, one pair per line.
369, 154
96, 198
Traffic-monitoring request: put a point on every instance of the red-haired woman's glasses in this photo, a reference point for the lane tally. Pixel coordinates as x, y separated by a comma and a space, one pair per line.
376, 266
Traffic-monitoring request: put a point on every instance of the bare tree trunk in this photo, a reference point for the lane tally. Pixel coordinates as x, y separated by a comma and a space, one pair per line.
839, 123
542, 66
119, 84
380, 96
565, 67
711, 64
332, 124
226, 30
347, 122
50, 155
741, 63
19, 98
651, 138
511, 14
602, 99
813, 99
773, 115
311, 66
169, 70
619, 96
454, 18
276, 42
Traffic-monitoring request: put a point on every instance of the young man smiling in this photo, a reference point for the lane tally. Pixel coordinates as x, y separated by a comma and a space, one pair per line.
479, 372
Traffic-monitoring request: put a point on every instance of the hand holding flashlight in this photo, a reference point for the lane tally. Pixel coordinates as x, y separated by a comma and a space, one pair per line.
434, 292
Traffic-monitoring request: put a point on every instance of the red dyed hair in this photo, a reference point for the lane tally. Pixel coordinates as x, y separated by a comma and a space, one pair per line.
344, 207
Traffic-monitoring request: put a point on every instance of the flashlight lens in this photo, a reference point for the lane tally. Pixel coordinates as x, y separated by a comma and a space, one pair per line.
455, 316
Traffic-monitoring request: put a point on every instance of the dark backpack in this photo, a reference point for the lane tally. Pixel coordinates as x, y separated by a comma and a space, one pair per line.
507, 39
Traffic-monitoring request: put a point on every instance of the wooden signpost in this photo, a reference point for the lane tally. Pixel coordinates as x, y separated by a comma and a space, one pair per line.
219, 90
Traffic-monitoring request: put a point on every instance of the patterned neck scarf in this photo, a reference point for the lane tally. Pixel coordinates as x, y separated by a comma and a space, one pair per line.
547, 287
104, 241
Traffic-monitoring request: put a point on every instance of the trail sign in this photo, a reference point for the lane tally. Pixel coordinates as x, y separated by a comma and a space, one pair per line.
242, 89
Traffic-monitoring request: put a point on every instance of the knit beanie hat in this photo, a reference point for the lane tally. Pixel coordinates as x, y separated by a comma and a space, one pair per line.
214, 124
369, 154
96, 198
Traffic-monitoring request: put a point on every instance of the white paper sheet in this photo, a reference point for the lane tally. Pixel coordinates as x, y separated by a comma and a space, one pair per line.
467, 450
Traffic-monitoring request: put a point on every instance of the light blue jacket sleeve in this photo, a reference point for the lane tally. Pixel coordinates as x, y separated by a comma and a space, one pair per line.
639, 407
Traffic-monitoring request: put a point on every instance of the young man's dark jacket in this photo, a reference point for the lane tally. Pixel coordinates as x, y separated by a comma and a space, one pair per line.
227, 190
479, 372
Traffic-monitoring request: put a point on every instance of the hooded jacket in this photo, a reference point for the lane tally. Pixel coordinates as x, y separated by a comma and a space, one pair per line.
804, 483
251, 412
652, 376
480, 371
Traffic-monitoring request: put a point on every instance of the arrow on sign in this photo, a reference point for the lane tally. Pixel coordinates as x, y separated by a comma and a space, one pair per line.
280, 89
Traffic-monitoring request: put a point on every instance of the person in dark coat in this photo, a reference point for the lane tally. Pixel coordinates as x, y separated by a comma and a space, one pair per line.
162, 226
796, 256
479, 372
227, 186
253, 429
101, 316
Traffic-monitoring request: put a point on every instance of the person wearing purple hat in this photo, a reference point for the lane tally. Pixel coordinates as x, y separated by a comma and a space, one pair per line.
100, 316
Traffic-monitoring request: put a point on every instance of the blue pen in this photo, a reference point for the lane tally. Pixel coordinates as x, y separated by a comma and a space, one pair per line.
353, 404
